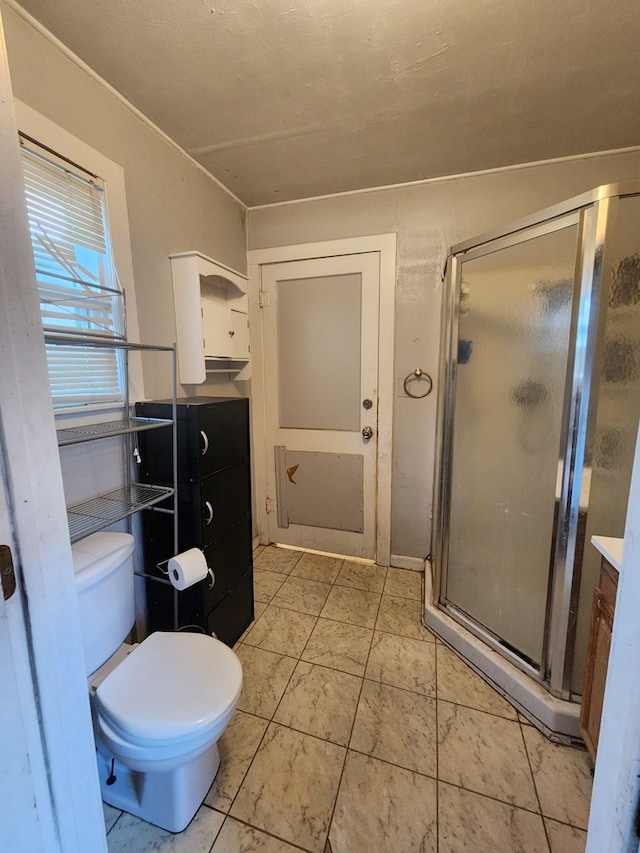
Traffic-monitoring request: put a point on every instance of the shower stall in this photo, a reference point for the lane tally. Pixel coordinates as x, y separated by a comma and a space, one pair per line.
538, 410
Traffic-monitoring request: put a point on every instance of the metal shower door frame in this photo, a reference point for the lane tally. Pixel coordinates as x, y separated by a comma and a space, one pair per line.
595, 214
591, 291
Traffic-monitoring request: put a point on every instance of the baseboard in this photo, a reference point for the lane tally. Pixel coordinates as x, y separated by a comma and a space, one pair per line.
416, 564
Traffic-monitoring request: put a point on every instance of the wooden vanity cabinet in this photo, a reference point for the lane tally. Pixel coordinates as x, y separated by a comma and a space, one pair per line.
603, 609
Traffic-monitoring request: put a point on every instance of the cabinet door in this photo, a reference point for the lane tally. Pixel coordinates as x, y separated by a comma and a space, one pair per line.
596, 671
191, 607
210, 436
229, 558
156, 446
234, 613
216, 320
226, 500
220, 434
239, 335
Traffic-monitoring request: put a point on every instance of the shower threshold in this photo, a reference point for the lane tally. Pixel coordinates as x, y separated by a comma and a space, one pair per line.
558, 719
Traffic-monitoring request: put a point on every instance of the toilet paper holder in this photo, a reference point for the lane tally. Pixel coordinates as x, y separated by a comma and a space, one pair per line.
163, 568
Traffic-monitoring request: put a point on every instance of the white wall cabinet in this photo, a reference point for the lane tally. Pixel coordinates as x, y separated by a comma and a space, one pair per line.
211, 318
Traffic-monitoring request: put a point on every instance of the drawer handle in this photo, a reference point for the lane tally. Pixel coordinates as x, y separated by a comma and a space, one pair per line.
205, 442
209, 516
212, 578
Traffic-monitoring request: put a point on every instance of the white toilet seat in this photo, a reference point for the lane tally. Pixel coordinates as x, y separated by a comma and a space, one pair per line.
172, 694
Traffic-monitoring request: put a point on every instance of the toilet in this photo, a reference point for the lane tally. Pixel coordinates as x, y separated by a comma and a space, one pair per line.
158, 707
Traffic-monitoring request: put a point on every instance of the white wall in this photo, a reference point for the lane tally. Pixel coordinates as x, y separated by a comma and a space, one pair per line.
428, 219
173, 205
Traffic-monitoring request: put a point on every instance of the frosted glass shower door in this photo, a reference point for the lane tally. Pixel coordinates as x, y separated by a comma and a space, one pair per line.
506, 401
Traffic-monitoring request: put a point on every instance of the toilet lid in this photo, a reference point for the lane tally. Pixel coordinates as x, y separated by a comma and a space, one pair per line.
171, 685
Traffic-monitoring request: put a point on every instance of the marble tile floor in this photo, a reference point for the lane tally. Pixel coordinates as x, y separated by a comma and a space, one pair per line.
358, 732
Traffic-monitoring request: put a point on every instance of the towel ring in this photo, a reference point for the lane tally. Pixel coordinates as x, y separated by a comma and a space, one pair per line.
417, 375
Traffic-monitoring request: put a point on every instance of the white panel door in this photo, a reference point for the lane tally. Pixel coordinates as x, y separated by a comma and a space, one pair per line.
20, 828
49, 790
320, 333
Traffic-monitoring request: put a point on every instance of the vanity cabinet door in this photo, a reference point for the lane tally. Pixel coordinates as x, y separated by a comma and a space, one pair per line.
596, 670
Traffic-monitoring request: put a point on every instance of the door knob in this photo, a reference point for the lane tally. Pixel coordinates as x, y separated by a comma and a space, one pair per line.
367, 433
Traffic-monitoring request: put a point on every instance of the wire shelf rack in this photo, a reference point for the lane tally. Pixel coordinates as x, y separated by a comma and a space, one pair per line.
88, 432
102, 510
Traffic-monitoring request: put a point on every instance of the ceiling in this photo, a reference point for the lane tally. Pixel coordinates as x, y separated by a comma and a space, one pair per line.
283, 99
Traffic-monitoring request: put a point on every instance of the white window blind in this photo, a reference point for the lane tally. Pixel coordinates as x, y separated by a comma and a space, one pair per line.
79, 293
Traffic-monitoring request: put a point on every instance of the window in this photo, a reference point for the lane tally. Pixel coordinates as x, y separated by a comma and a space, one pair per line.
79, 292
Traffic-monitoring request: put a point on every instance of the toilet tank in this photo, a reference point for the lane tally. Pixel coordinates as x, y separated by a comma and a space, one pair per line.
103, 566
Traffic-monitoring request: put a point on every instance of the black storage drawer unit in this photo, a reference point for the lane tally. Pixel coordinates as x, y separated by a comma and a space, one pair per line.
214, 513
213, 433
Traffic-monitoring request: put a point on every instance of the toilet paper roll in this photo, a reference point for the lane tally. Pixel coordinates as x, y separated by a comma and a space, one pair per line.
187, 568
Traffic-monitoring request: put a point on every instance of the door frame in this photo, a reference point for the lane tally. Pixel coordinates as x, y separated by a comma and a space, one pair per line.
385, 246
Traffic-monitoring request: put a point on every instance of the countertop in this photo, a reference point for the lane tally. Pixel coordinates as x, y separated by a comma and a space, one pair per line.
610, 548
